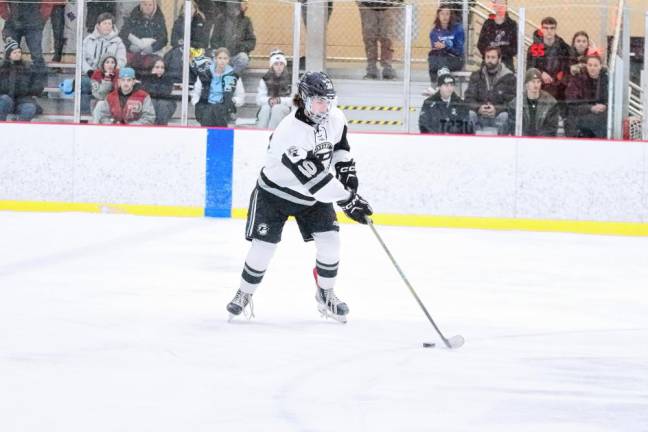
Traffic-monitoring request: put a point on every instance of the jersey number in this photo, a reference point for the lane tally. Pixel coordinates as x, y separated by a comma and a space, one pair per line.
307, 168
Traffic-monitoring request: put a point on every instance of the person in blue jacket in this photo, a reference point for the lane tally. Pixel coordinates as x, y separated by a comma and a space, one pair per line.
447, 43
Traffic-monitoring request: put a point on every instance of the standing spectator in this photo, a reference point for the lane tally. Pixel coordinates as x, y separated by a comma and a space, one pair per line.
551, 55
489, 93
587, 101
500, 31
580, 48
103, 41
199, 35
379, 24
218, 91
18, 85
127, 104
94, 9
57, 18
445, 112
273, 93
539, 108
160, 86
447, 42
105, 78
234, 31
144, 34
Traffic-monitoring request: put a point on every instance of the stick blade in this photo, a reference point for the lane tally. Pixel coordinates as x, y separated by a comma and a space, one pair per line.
455, 342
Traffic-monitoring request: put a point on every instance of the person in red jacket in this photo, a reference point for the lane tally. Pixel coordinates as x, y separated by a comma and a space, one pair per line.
127, 104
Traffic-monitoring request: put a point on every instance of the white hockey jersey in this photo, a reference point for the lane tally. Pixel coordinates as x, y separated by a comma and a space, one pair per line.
299, 158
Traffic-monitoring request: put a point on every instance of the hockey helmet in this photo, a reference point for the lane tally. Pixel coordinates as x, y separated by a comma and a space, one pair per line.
316, 85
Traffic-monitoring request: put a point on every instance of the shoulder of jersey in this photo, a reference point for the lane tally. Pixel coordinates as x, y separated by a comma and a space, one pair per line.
337, 115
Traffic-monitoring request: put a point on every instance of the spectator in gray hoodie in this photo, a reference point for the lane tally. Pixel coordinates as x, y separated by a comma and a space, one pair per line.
103, 41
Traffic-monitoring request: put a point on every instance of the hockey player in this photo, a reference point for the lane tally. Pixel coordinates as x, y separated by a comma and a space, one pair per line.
295, 181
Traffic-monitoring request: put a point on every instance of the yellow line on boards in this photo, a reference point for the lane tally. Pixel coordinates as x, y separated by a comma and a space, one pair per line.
134, 209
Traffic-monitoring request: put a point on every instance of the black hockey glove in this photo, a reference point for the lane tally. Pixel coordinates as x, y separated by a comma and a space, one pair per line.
345, 172
356, 208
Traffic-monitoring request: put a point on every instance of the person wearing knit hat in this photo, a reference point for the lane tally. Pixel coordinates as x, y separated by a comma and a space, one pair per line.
532, 74
445, 112
273, 92
19, 83
540, 110
11, 46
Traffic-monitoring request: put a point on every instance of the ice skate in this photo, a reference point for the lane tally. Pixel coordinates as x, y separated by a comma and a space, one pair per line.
239, 304
329, 305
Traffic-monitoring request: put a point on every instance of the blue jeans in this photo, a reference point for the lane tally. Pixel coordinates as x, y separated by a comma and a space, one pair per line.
22, 107
86, 94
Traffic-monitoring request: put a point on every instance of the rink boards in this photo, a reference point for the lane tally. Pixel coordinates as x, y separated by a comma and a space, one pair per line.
471, 182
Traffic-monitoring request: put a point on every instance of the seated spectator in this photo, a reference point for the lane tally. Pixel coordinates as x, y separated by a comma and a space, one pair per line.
500, 31
456, 6
145, 35
18, 85
447, 40
273, 93
587, 101
580, 48
199, 35
94, 8
379, 23
127, 104
551, 55
103, 41
539, 108
160, 86
218, 91
489, 93
234, 31
445, 112
105, 78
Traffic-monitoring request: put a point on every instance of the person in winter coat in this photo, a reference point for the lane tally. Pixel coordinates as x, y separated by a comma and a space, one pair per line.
144, 34
160, 86
447, 41
218, 91
587, 101
273, 92
103, 41
551, 55
127, 104
199, 35
445, 112
489, 93
94, 8
540, 109
379, 21
581, 47
105, 78
233, 30
500, 31
18, 85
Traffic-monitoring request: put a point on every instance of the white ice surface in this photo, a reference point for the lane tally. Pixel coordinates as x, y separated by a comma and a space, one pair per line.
117, 323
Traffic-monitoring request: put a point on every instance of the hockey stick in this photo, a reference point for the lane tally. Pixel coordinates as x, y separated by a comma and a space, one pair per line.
455, 341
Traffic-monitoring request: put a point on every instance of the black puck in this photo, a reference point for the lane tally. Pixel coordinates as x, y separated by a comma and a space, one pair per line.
428, 345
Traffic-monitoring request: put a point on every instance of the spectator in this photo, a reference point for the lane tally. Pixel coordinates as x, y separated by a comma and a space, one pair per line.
103, 41
551, 55
105, 78
379, 24
199, 36
57, 19
587, 101
234, 31
273, 93
218, 91
445, 112
500, 31
145, 34
160, 86
580, 48
18, 85
539, 108
489, 93
456, 6
127, 104
447, 41
96, 8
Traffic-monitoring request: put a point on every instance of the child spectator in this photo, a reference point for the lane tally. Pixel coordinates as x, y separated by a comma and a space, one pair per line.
500, 31
127, 104
18, 85
234, 31
199, 35
218, 91
273, 93
159, 86
105, 78
539, 108
379, 23
144, 34
551, 55
447, 41
489, 93
445, 112
587, 101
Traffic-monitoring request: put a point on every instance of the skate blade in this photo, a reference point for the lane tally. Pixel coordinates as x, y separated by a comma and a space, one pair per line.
324, 313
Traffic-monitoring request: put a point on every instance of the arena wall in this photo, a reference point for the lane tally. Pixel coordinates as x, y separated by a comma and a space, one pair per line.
418, 180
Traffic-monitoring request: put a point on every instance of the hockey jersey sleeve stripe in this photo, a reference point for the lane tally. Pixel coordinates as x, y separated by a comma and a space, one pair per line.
306, 170
282, 192
319, 182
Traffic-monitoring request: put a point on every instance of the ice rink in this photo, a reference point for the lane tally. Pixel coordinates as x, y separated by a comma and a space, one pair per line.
114, 323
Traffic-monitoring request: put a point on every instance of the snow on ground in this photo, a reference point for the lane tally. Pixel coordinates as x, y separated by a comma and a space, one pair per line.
118, 323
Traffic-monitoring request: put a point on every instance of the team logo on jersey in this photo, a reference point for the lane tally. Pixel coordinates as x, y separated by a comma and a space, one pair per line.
323, 151
263, 229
